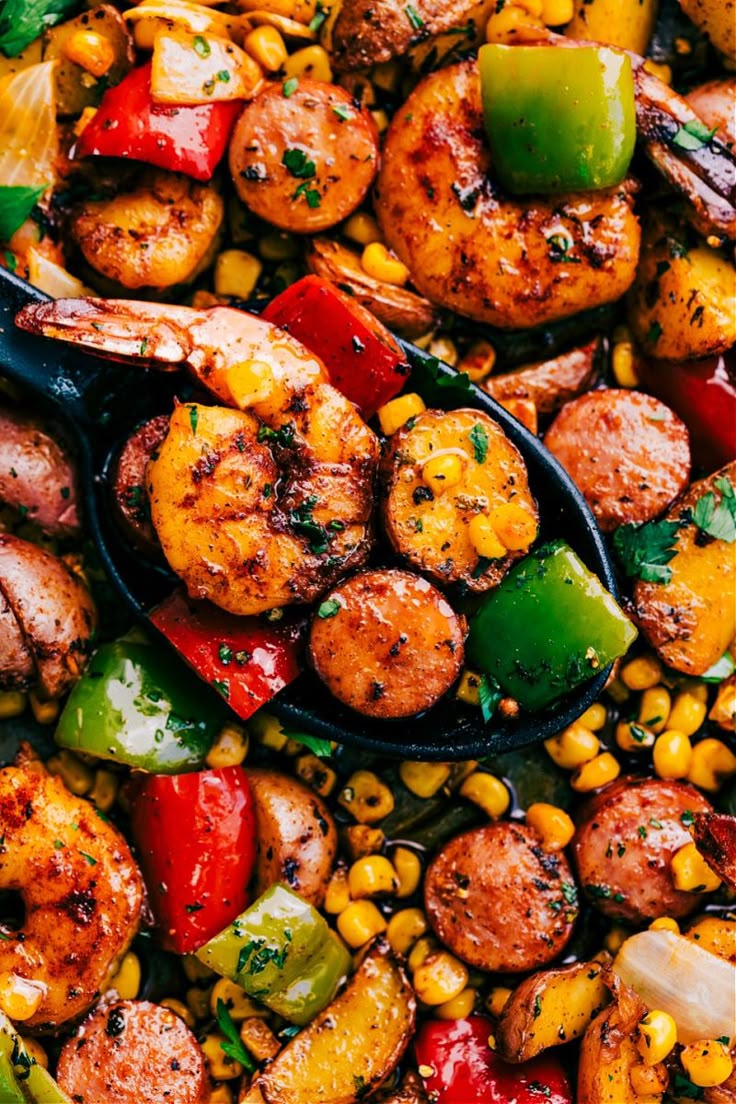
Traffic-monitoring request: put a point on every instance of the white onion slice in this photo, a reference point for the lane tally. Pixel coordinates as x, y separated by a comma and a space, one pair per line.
29, 144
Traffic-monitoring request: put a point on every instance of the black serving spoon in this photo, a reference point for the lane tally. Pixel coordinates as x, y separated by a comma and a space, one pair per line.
101, 402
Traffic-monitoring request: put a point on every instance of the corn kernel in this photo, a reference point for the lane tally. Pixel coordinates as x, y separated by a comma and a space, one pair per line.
711, 765
359, 923
382, 265
623, 364
479, 361
615, 938
641, 673
408, 867
105, 790
387, 75
237, 273
654, 708
515, 527
76, 775
396, 413
723, 711
267, 730
497, 999
44, 712
12, 704
665, 923
662, 72
687, 714
594, 717
672, 754
555, 13
90, 50
127, 981
485, 539
444, 349
266, 46
553, 824
337, 896
488, 792
362, 228
421, 950
707, 1063
35, 1051
380, 118
366, 797
439, 978
504, 26
372, 876
235, 999
20, 998
596, 773
179, 1009
404, 928
691, 873
229, 749
220, 1065
311, 61
259, 1039
657, 1036
442, 472
631, 736
423, 779
195, 970
457, 1008
573, 746
617, 691
534, 7
360, 840
278, 246
198, 1002
316, 773
468, 688
694, 687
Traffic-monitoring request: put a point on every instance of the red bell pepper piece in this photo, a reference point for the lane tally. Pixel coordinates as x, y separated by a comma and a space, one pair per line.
466, 1071
196, 839
247, 660
702, 392
363, 358
189, 139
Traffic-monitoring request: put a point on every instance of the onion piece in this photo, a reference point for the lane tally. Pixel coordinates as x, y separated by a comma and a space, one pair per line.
50, 277
674, 975
201, 69
29, 142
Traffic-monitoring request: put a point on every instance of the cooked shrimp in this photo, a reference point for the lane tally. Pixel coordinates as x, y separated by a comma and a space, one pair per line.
80, 888
155, 236
255, 508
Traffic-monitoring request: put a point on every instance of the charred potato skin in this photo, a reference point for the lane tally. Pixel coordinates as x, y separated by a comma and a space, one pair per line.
548, 383
37, 475
716, 19
74, 89
297, 839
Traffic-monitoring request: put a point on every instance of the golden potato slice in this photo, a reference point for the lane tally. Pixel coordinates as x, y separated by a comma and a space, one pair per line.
430, 528
351, 1047
549, 1008
609, 1054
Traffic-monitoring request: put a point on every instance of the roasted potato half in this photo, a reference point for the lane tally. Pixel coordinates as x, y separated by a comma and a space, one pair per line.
76, 88
715, 18
550, 1008
37, 475
625, 23
297, 839
549, 384
351, 1047
429, 518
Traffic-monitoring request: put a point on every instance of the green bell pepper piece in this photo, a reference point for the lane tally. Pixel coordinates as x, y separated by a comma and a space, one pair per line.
547, 627
282, 953
558, 120
22, 1080
137, 705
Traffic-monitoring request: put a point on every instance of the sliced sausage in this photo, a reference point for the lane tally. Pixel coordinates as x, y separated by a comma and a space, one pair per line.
715, 836
549, 383
17, 669
133, 1052
387, 643
129, 483
37, 476
430, 527
628, 453
624, 843
499, 900
303, 162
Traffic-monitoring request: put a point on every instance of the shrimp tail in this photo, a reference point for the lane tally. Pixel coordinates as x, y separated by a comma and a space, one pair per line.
119, 329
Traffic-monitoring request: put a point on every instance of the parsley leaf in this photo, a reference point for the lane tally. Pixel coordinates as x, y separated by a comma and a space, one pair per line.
414, 17
234, 1047
22, 21
479, 440
438, 384
644, 550
16, 204
342, 111
328, 608
316, 744
718, 520
692, 136
193, 418
298, 164
303, 522
311, 195
201, 46
489, 693
289, 87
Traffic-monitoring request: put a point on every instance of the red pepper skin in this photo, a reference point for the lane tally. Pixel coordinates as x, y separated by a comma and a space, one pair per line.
188, 139
467, 1071
362, 357
196, 841
247, 660
702, 392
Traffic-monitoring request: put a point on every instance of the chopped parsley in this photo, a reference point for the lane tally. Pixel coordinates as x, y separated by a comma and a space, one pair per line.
722, 669
559, 246
479, 440
311, 195
342, 111
16, 203
22, 21
289, 87
298, 164
489, 695
225, 654
193, 418
692, 136
283, 436
222, 686
645, 550
88, 858
329, 608
414, 17
654, 333
201, 46
223, 76
303, 523
718, 520
233, 1047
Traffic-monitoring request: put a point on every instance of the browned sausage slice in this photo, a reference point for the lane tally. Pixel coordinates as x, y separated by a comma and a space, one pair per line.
133, 1052
628, 453
549, 383
129, 483
17, 669
499, 900
715, 836
624, 843
37, 476
303, 162
387, 643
